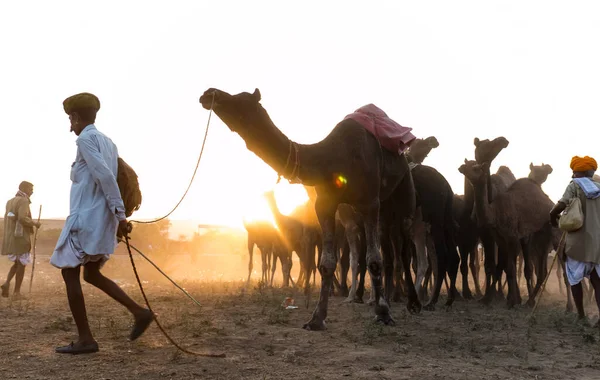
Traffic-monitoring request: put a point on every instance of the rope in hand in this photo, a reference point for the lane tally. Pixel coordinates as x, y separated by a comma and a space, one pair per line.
34, 243
173, 342
193, 175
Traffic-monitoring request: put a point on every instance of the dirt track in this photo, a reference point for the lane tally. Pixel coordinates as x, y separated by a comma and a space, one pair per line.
263, 341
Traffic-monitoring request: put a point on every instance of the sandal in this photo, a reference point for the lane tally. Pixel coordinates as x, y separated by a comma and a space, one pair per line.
141, 325
75, 349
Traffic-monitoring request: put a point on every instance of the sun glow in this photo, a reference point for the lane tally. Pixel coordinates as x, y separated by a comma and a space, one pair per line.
288, 198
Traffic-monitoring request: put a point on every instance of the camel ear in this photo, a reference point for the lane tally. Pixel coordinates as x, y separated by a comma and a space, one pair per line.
256, 94
476, 141
531, 166
466, 160
432, 142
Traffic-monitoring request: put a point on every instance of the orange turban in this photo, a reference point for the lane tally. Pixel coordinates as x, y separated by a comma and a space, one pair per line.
582, 164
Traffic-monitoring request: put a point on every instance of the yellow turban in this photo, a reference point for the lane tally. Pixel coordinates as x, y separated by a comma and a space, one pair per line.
582, 164
84, 100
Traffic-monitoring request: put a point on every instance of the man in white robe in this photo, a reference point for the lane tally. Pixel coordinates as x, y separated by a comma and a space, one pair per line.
96, 212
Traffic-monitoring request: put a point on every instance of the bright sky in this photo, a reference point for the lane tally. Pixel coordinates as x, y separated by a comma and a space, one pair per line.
526, 70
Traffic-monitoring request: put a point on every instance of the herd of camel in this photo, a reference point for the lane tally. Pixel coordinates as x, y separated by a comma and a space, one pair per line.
387, 213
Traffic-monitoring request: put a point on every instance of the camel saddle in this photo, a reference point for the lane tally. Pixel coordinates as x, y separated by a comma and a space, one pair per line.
391, 135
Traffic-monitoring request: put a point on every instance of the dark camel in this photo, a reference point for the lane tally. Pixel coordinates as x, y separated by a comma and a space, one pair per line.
485, 153
348, 166
518, 213
434, 198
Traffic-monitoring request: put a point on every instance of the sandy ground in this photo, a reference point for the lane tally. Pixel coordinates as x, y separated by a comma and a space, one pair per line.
264, 341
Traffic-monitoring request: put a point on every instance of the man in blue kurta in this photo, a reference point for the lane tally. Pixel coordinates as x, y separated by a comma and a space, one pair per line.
96, 212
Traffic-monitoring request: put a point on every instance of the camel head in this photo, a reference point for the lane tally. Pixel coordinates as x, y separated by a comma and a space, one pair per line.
474, 172
488, 150
420, 148
539, 174
242, 113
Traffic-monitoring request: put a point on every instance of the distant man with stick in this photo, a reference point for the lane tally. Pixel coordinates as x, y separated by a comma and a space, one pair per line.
97, 212
18, 228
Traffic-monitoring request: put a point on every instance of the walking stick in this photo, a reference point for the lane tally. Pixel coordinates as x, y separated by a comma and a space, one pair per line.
34, 242
559, 252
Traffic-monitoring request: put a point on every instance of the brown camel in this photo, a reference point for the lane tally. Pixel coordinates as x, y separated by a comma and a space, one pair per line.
348, 166
266, 238
539, 174
518, 213
293, 236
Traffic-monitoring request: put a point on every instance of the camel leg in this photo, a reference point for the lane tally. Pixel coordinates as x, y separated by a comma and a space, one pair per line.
326, 214
353, 245
273, 269
474, 266
387, 250
526, 250
442, 264
453, 263
265, 268
319, 253
501, 267
250, 254
421, 256
362, 265
345, 262
376, 263
464, 271
489, 264
520, 261
427, 281
511, 248
399, 290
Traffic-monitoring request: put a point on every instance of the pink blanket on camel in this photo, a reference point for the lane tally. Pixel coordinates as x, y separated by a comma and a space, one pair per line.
391, 135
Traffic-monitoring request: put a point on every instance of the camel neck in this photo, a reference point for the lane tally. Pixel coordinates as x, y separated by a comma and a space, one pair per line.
289, 159
469, 199
483, 209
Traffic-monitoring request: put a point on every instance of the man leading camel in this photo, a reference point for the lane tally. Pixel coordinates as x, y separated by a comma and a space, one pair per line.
18, 227
89, 235
582, 248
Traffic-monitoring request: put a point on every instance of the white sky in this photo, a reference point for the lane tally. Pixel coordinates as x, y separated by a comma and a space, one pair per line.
529, 71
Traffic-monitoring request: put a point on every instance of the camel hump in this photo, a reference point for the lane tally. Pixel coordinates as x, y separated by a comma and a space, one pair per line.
390, 134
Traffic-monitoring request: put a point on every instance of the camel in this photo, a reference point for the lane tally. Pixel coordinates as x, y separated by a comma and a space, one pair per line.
434, 200
266, 238
348, 166
292, 233
518, 213
539, 174
485, 152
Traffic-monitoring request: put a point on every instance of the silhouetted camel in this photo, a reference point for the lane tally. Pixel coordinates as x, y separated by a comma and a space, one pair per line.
348, 166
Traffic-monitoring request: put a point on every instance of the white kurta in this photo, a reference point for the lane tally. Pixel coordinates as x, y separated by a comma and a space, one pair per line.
96, 206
